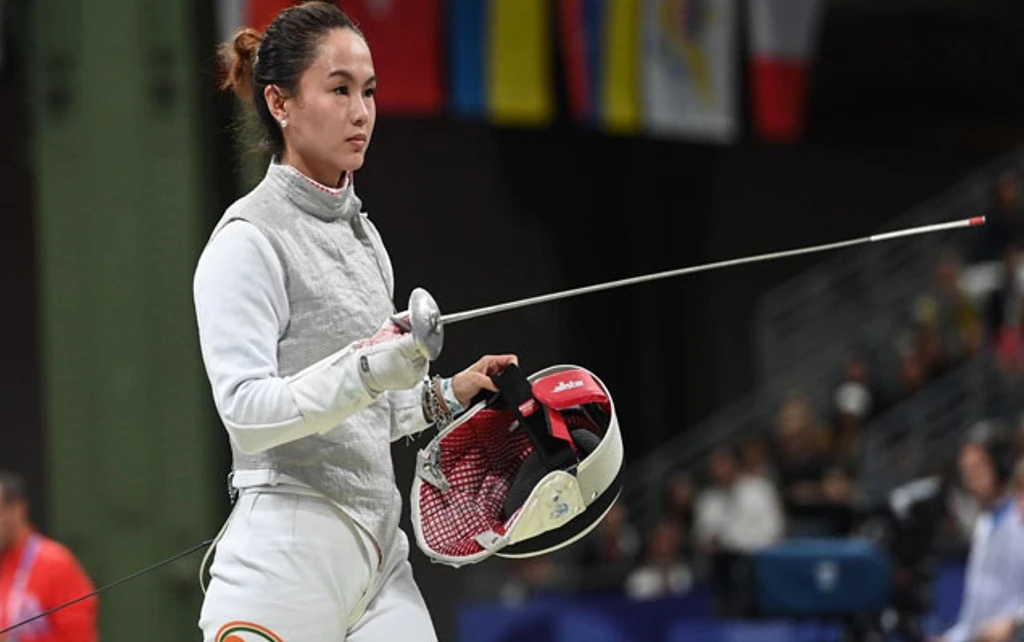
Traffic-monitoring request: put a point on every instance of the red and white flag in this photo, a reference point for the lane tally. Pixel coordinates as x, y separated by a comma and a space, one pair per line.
783, 37
405, 38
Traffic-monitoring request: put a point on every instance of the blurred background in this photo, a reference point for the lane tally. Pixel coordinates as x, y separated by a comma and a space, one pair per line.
524, 146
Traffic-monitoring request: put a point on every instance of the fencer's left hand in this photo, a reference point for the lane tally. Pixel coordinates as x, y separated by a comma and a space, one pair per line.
468, 383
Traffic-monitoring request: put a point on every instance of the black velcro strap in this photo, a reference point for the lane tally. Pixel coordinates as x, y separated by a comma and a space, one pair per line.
515, 389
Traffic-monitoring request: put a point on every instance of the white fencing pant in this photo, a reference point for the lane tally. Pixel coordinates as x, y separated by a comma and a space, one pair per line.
293, 567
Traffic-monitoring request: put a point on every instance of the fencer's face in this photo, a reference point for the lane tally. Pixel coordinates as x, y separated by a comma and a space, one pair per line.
331, 117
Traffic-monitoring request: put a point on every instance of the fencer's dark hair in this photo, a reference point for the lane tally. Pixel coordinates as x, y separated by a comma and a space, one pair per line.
12, 487
278, 57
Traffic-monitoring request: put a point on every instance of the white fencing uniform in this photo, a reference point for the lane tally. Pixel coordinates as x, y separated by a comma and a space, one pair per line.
293, 276
295, 564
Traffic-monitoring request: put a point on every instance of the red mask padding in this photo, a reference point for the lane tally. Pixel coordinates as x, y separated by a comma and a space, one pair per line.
568, 389
481, 459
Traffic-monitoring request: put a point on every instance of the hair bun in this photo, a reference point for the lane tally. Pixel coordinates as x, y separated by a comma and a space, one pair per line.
238, 57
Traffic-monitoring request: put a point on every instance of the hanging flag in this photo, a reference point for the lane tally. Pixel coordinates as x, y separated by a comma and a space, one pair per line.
521, 87
405, 38
262, 12
620, 64
581, 23
599, 48
689, 69
577, 46
232, 15
783, 34
501, 60
466, 50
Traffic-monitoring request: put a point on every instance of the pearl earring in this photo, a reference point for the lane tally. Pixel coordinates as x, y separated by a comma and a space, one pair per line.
284, 123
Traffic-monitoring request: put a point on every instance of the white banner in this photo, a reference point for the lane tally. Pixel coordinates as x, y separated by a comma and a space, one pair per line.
690, 69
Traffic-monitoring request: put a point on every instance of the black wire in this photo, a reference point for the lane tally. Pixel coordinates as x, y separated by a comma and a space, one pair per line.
111, 585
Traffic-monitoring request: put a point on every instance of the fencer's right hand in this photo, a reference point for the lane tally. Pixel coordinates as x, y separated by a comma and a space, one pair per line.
390, 360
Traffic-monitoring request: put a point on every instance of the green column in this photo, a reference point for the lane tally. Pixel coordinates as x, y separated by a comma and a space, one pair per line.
123, 207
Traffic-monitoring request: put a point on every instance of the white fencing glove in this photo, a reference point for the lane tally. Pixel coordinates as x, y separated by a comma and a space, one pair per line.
390, 360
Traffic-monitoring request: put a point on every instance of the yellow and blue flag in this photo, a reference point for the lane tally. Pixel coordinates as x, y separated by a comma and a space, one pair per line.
600, 45
501, 61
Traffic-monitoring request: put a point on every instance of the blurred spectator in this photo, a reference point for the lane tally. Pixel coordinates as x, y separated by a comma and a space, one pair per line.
913, 511
610, 550
738, 515
757, 458
679, 497
1003, 308
950, 328
528, 578
664, 572
935, 360
1004, 224
994, 587
816, 490
955, 532
801, 456
1005, 312
852, 407
38, 574
912, 369
1010, 627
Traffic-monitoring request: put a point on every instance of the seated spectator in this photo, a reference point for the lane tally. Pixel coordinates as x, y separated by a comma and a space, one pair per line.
1004, 223
1005, 313
1010, 627
994, 586
38, 574
931, 349
852, 406
949, 316
679, 495
738, 515
756, 458
816, 490
801, 458
1003, 306
610, 550
664, 572
912, 371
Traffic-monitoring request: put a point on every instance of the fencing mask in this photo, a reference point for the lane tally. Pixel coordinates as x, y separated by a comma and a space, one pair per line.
526, 471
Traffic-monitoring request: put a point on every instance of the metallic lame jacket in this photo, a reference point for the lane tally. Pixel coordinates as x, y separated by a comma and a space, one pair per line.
340, 286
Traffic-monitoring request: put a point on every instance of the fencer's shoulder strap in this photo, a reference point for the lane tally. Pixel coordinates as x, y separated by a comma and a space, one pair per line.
545, 428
